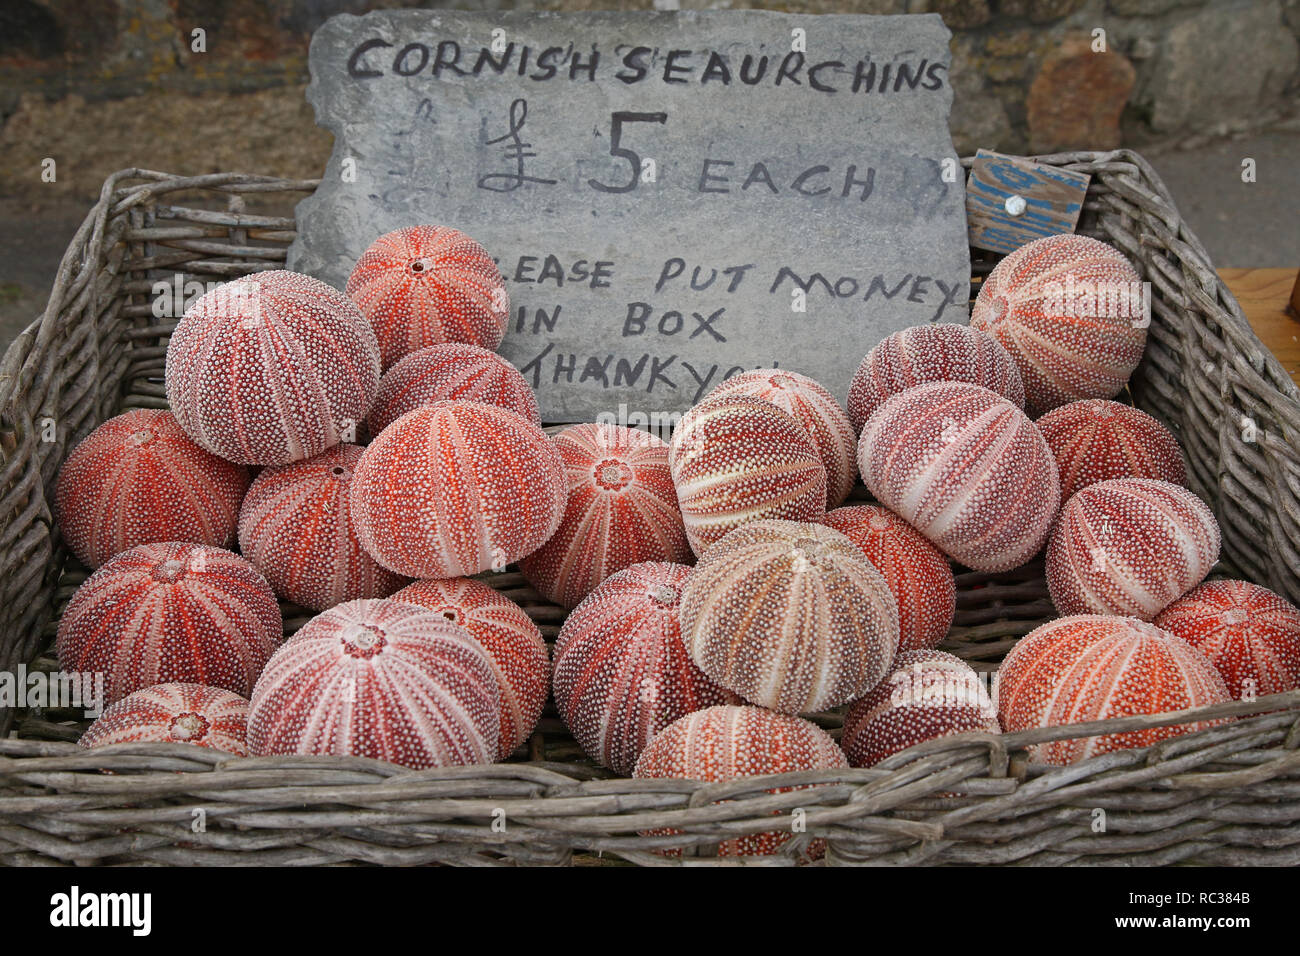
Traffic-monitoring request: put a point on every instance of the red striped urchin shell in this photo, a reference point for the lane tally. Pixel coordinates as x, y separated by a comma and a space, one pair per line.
816, 409
272, 368
426, 285
916, 571
1096, 439
928, 694
169, 612
137, 479
942, 352
736, 459
622, 673
296, 528
621, 510
967, 469
448, 372
1250, 634
1089, 667
1129, 546
382, 679
457, 488
729, 741
175, 714
1069, 310
512, 641
789, 616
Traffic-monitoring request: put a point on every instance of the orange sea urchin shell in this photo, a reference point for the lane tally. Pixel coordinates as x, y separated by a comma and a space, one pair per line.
729, 741
1096, 439
621, 510
456, 488
622, 673
426, 285
917, 573
296, 528
139, 479
1088, 667
171, 612
1250, 634
175, 714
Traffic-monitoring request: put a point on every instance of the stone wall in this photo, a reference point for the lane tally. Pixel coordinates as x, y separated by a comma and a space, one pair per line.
98, 85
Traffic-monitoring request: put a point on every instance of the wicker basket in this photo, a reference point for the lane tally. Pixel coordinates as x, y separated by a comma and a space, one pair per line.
1230, 794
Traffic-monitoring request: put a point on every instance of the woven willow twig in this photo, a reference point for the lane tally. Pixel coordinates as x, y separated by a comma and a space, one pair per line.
135, 802
1226, 795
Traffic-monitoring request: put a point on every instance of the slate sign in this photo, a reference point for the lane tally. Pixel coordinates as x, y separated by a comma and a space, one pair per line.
671, 197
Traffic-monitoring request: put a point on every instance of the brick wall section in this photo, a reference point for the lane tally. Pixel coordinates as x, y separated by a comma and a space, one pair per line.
99, 85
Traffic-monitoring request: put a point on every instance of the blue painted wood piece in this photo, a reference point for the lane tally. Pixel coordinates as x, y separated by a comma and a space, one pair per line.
1053, 199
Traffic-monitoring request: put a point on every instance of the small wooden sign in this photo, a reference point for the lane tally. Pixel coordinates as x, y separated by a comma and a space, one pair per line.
1011, 201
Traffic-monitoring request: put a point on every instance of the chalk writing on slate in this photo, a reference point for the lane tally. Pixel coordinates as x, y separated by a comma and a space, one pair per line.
1051, 199
671, 197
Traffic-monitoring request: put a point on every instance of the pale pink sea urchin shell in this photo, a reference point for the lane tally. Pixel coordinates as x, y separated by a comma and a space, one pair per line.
813, 407
789, 616
513, 643
736, 459
1069, 310
272, 368
1129, 546
382, 679
967, 469
942, 352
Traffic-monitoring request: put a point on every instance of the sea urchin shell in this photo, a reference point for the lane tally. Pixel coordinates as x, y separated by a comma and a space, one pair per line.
177, 714
382, 679
621, 510
790, 616
1088, 667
